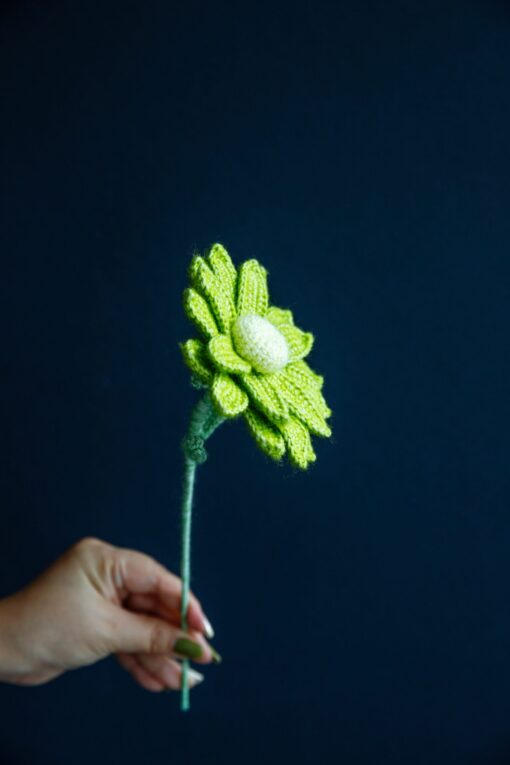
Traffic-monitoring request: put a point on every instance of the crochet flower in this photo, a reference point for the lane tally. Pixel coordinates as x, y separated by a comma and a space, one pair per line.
251, 356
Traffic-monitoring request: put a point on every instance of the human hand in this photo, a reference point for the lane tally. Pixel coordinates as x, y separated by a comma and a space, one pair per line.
96, 600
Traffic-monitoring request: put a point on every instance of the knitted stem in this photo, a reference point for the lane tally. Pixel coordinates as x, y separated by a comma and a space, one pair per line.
203, 422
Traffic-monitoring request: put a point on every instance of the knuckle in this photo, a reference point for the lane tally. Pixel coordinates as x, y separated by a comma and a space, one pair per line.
87, 543
159, 639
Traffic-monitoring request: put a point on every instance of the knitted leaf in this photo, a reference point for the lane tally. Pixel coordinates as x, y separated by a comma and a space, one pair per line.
307, 382
265, 396
227, 396
303, 370
222, 265
225, 358
198, 311
266, 436
298, 443
252, 292
279, 316
303, 404
195, 357
209, 285
300, 343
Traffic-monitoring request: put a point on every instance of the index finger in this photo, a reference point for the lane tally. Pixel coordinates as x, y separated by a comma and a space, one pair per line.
138, 574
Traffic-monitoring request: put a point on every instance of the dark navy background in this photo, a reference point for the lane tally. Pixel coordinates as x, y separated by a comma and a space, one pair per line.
360, 150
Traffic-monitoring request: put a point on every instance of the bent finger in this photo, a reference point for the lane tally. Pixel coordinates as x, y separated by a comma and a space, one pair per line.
139, 633
139, 574
139, 673
168, 671
152, 605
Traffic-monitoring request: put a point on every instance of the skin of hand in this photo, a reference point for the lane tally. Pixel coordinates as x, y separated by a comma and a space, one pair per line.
96, 600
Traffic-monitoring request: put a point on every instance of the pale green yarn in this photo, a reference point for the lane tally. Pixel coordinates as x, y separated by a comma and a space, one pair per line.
204, 421
260, 343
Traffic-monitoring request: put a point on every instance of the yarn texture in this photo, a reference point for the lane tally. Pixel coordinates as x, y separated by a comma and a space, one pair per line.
204, 421
260, 343
251, 356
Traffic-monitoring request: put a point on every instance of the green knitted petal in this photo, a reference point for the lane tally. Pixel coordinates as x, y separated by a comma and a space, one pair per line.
279, 316
252, 292
227, 396
303, 404
302, 369
267, 438
195, 357
304, 378
222, 353
209, 285
298, 442
198, 311
222, 265
265, 396
300, 343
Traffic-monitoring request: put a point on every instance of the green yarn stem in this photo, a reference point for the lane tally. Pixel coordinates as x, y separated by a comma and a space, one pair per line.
203, 422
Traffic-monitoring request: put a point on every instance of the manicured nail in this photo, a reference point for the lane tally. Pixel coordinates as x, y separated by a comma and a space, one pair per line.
188, 648
216, 657
208, 626
194, 677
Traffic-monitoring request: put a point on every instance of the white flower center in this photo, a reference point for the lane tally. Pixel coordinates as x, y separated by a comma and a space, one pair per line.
260, 342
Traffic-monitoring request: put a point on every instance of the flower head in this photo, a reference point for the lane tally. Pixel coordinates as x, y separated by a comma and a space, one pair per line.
251, 356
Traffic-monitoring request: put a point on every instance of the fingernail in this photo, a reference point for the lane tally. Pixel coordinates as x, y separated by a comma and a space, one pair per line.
188, 648
216, 657
194, 677
208, 626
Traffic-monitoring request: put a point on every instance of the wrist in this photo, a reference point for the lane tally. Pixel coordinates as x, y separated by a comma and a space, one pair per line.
15, 667
8, 659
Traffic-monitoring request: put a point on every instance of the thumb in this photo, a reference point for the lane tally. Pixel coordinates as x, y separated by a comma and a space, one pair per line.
139, 633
